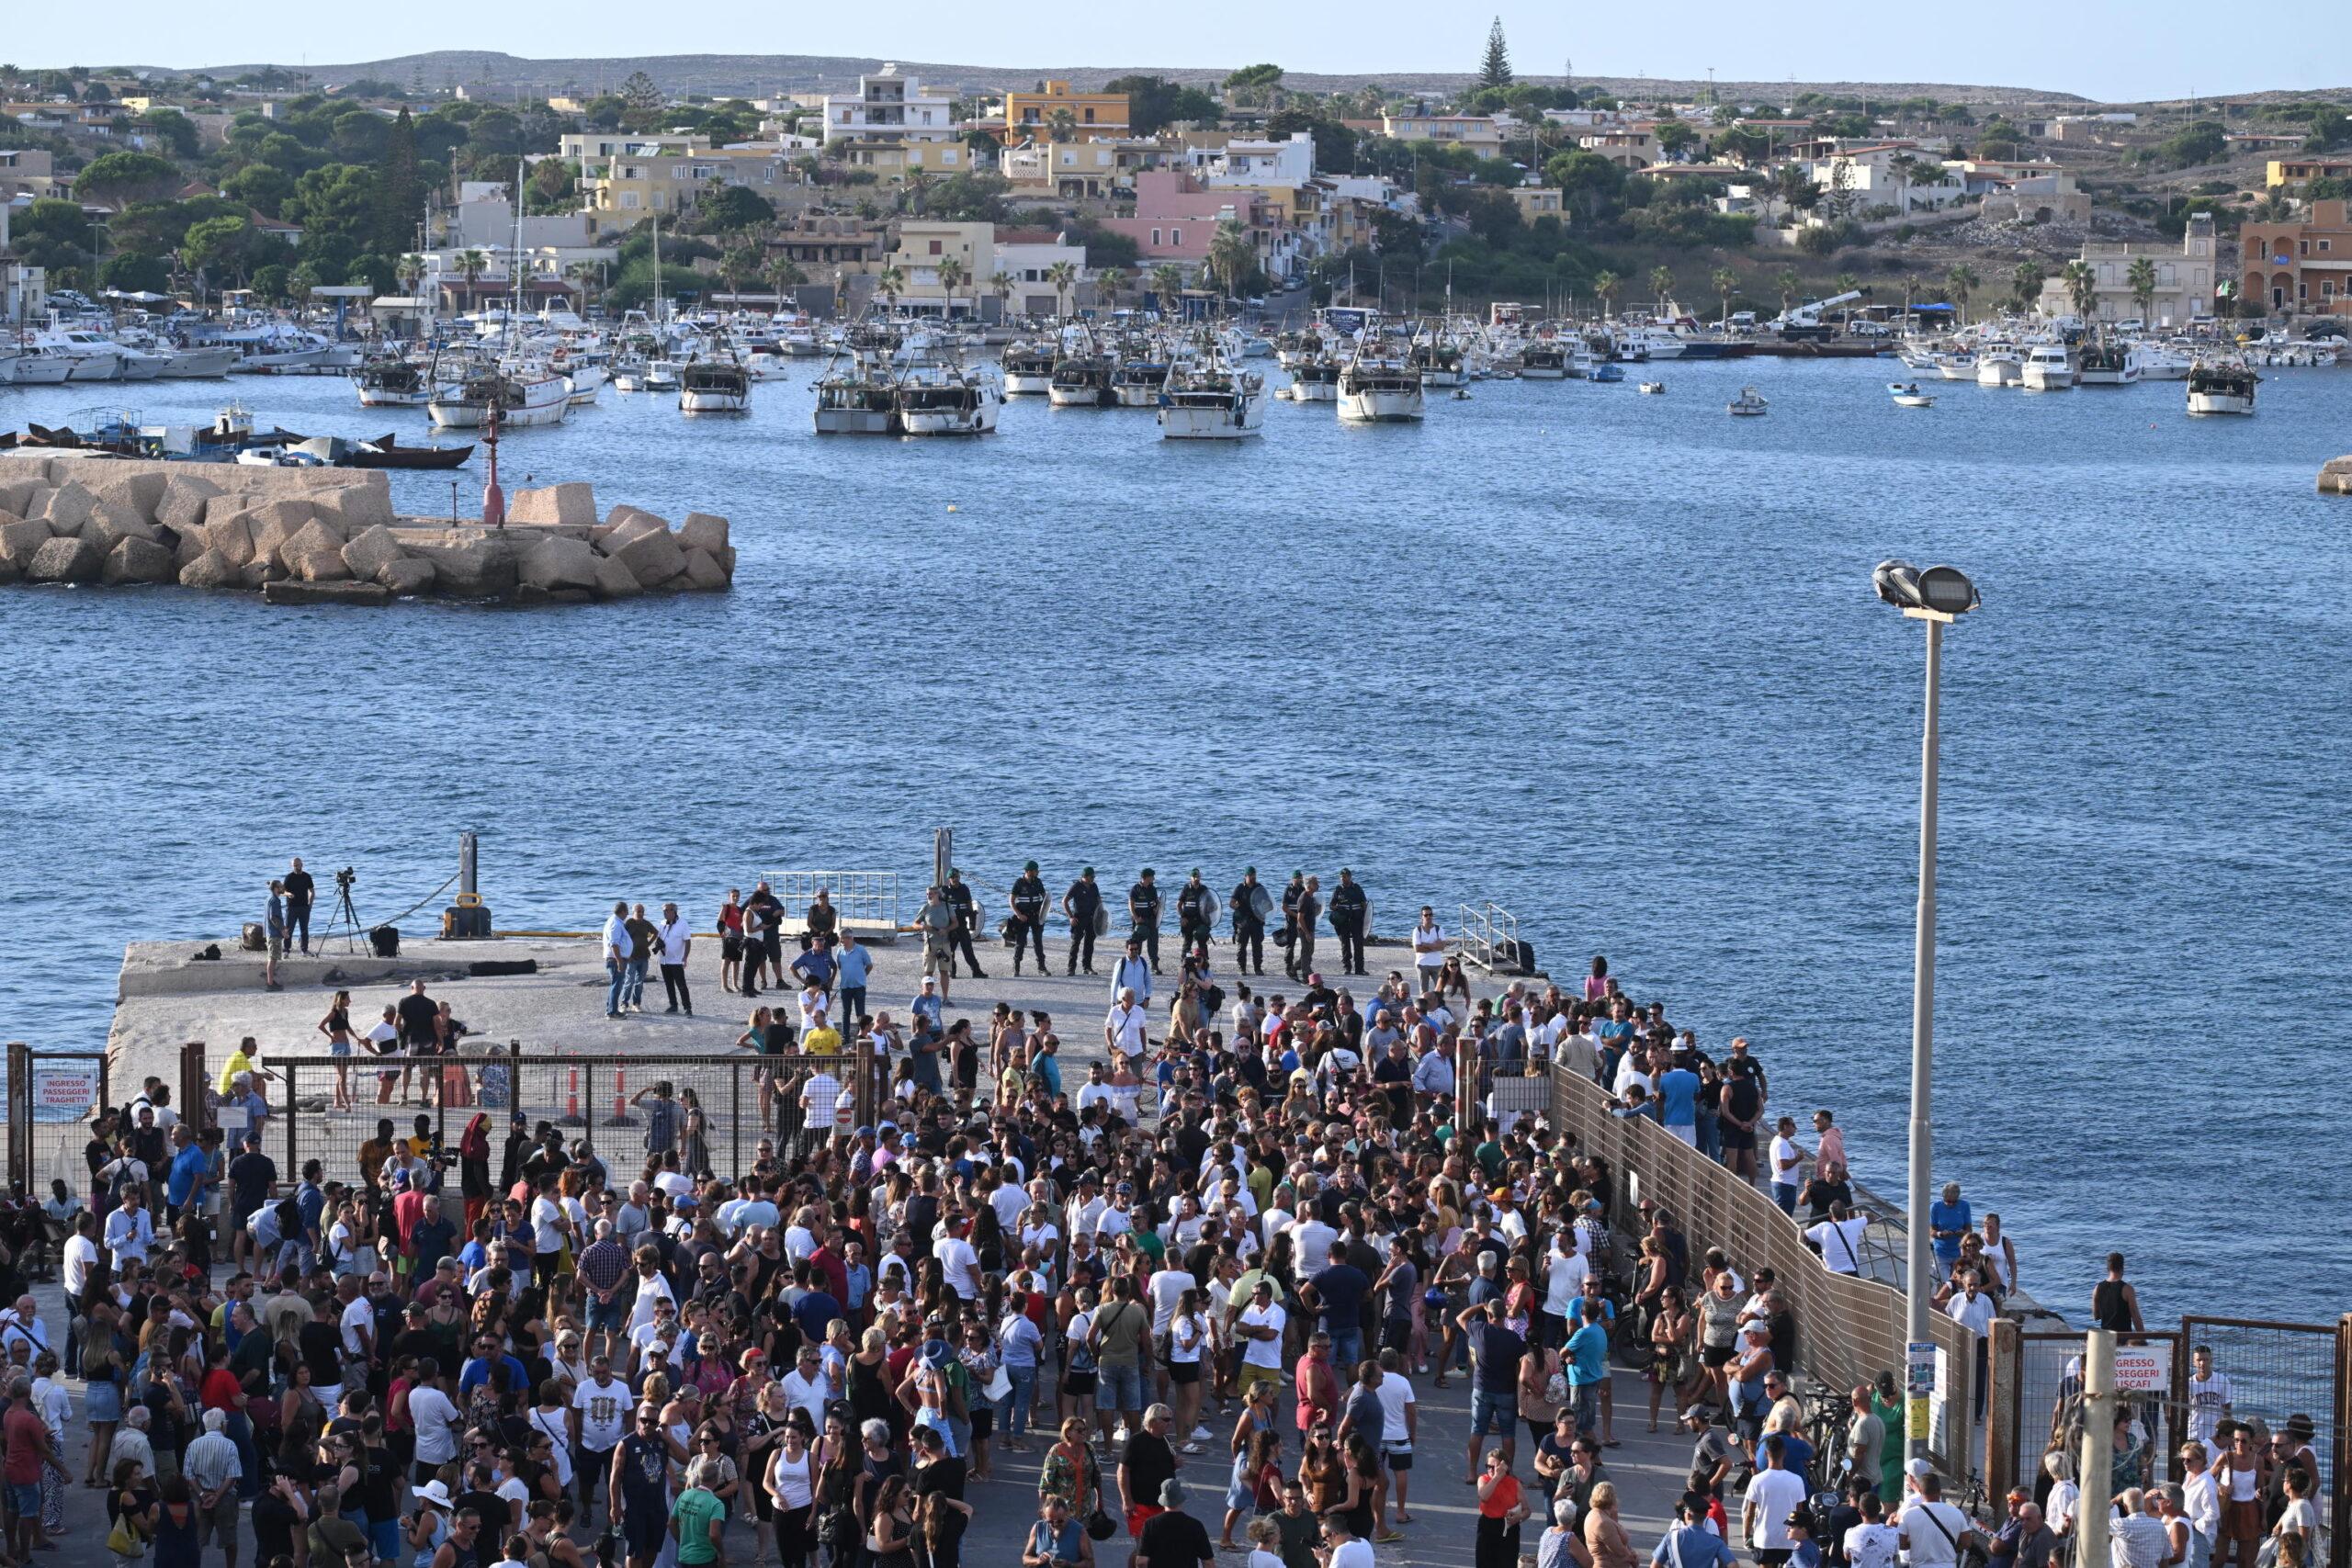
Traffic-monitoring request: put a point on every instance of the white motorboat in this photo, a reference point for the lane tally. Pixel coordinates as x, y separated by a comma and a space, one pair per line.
2109, 364
2000, 367
1652, 389
1906, 395
587, 379
2046, 369
36, 366
2221, 386
1749, 404
209, 364
714, 386
1379, 391
1212, 402
1315, 380
659, 375
2164, 362
1958, 365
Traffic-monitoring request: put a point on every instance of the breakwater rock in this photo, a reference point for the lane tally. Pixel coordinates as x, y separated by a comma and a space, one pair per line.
2336, 476
330, 536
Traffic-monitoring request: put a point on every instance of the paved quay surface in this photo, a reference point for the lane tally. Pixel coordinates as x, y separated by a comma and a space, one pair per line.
169, 999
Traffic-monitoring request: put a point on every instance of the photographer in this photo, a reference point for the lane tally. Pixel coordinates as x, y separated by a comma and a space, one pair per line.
300, 891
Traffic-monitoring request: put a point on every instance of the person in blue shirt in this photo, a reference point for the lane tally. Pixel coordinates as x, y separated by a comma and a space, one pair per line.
815, 1310
490, 1351
1337, 1293
853, 965
1587, 1355
1678, 1096
927, 1008
1947, 1223
186, 1180
817, 966
1689, 1543
1044, 1048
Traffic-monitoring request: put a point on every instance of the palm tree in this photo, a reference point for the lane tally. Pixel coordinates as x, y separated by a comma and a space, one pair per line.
1961, 282
2082, 288
1606, 285
1848, 283
1061, 126
1661, 286
2141, 278
1107, 283
1000, 285
577, 274
951, 279
1725, 281
1230, 257
917, 190
1063, 276
2025, 284
783, 273
887, 283
1910, 290
472, 264
1786, 281
1168, 286
739, 263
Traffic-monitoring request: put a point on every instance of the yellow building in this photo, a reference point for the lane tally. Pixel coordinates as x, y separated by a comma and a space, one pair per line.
1031, 115
891, 161
2295, 171
1538, 201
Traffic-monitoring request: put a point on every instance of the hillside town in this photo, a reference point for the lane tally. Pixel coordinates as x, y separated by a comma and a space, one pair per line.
392, 201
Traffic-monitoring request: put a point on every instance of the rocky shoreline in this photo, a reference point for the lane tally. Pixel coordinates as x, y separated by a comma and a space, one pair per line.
330, 537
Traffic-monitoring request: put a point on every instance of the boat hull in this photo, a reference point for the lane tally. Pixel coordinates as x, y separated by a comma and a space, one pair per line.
378, 397
1381, 406
1237, 419
2042, 378
692, 401
2220, 402
1020, 385
28, 372
856, 422
199, 363
543, 404
1999, 373
1063, 397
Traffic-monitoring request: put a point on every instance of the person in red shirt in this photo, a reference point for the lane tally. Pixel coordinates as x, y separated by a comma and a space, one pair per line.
1317, 1385
26, 1437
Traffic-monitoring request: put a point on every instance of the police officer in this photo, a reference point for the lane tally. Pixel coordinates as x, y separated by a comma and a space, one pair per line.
1293, 892
1143, 907
1303, 916
1084, 904
1028, 902
1192, 902
1249, 930
1349, 908
960, 899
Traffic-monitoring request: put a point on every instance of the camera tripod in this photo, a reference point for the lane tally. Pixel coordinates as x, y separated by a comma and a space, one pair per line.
342, 920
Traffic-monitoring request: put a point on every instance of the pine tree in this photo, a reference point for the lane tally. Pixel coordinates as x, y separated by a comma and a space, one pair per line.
1495, 70
398, 193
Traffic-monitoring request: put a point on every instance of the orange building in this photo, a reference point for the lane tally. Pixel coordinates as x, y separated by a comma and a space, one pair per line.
2304, 266
1029, 116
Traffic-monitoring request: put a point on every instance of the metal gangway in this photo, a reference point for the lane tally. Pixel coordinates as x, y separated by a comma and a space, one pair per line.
868, 901
1487, 934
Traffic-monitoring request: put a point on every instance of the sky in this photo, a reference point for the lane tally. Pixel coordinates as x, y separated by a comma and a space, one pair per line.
2105, 48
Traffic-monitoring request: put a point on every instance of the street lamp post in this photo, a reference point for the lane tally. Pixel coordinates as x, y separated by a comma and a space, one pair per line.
1937, 596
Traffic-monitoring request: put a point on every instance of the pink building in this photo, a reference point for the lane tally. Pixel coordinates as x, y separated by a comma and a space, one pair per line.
1177, 216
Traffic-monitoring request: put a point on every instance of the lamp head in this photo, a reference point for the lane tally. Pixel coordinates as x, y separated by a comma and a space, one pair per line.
1941, 591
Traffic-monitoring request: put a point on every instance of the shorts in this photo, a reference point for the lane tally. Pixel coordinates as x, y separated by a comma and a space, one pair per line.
1122, 1387
647, 1528
983, 1420
1183, 1372
338, 1047
1772, 1557
1252, 1374
1718, 1355
603, 1317
102, 1402
384, 1538
1138, 1517
1492, 1412
1078, 1385
730, 950
277, 947
1397, 1457
25, 1498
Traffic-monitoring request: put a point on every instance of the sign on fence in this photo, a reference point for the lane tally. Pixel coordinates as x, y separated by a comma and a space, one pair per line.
64, 1091
2143, 1369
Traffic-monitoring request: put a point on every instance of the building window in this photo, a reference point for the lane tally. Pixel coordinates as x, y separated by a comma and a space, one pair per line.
1155, 236
1176, 238
2326, 245
934, 247
1090, 117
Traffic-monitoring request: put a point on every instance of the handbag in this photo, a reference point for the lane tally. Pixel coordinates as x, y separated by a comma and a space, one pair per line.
1100, 1525
125, 1540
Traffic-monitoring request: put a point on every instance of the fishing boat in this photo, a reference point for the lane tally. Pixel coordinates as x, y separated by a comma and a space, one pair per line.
2109, 364
1135, 383
714, 386
524, 396
1028, 370
1081, 381
1379, 391
854, 398
393, 384
1651, 389
660, 376
1906, 395
1607, 371
1315, 380
1749, 404
1439, 362
1956, 365
386, 452
2221, 385
1212, 402
946, 398
2046, 369
1544, 359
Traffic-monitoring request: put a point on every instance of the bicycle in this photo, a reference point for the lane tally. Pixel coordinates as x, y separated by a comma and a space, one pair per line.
1829, 1417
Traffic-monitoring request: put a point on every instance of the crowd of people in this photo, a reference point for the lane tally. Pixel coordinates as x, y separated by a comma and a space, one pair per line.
1202, 1290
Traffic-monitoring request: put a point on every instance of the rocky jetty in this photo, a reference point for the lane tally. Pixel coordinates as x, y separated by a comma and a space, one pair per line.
330, 537
2336, 476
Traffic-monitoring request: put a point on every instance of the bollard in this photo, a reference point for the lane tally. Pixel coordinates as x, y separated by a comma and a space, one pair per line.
571, 1117
620, 1117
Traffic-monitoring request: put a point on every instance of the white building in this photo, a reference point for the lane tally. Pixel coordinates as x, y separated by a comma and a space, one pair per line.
889, 107
1896, 175
1026, 257
1283, 161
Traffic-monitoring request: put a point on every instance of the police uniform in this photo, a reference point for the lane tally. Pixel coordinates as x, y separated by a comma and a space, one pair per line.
1349, 906
1303, 916
1082, 904
1143, 903
1029, 915
1192, 915
960, 899
1249, 930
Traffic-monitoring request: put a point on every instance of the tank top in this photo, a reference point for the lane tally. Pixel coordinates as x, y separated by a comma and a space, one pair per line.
792, 1482
1718, 1318
2109, 1307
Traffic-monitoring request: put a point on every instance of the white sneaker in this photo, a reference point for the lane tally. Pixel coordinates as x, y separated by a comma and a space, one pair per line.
1202, 1435
1119, 1434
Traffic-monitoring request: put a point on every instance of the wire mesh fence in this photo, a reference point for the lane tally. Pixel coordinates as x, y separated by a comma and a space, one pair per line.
2288, 1377
52, 1097
2047, 1411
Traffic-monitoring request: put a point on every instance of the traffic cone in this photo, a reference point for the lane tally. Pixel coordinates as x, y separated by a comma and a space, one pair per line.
620, 1117
571, 1117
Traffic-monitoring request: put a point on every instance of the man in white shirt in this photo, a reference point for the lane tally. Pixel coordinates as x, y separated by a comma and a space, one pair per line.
1260, 1327
1564, 1275
2209, 1398
1095, 1090
1400, 1421
820, 1100
676, 940
806, 1387
959, 1264
439, 1424
1971, 1307
1429, 949
1933, 1531
131, 1230
1838, 1238
1775, 1493
652, 1289
618, 945
1123, 1026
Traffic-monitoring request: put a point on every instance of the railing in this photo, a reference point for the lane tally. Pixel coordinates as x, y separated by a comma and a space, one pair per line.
867, 899
1488, 936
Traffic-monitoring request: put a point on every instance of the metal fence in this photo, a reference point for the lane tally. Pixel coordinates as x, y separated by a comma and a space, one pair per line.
2044, 1404
326, 1107
867, 899
1849, 1329
2291, 1374
52, 1097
